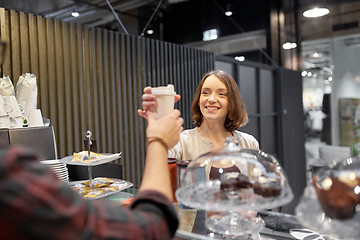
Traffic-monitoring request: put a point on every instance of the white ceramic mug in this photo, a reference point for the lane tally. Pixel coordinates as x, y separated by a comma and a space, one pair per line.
35, 118
14, 111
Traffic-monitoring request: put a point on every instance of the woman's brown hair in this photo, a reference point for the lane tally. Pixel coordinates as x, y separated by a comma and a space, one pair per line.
237, 115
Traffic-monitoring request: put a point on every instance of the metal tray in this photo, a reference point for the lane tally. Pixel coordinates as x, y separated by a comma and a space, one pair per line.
106, 159
122, 184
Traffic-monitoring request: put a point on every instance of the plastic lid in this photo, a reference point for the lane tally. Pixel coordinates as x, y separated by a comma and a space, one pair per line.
169, 90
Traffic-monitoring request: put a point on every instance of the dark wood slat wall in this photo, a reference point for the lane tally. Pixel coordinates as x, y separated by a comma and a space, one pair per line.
93, 79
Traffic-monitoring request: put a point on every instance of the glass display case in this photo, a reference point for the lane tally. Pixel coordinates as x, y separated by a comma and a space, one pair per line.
235, 183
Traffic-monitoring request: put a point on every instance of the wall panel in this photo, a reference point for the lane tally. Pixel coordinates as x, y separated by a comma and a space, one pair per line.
93, 79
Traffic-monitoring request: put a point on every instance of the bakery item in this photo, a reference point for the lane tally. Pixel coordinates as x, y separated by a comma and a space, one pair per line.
268, 189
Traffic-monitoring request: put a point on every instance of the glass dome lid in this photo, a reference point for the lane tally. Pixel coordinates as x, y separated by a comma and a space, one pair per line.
234, 179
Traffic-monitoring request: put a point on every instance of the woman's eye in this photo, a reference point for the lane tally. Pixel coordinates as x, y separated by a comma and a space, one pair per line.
223, 94
205, 92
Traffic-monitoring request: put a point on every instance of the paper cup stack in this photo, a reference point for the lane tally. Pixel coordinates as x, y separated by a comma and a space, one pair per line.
58, 168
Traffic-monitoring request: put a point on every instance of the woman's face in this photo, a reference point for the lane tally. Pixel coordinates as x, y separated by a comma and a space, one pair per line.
213, 100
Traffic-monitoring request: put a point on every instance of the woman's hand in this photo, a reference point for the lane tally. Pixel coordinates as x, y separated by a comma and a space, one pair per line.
167, 128
149, 102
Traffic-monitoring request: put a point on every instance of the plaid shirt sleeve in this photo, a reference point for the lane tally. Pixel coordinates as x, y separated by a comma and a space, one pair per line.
34, 204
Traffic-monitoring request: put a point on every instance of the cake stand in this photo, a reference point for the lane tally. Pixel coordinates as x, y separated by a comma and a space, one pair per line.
256, 183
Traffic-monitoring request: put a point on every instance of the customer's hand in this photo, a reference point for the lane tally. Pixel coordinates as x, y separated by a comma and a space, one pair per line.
149, 102
167, 127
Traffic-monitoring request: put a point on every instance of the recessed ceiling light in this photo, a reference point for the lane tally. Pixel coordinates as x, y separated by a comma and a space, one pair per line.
316, 12
75, 13
303, 73
309, 74
149, 31
316, 54
240, 58
289, 45
228, 13
330, 79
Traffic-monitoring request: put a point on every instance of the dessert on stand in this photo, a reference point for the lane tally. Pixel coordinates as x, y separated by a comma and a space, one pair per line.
245, 181
331, 205
98, 187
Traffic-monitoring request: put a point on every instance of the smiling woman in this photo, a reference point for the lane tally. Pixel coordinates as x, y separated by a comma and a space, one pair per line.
217, 111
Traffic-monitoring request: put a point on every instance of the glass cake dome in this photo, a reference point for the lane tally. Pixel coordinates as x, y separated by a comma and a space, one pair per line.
234, 179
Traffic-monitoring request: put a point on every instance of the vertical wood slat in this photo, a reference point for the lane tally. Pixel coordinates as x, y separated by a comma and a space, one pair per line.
124, 91
142, 69
107, 107
51, 91
5, 36
42, 78
73, 89
15, 46
130, 117
93, 79
24, 42
34, 48
59, 84
67, 69
119, 102
88, 86
94, 105
113, 130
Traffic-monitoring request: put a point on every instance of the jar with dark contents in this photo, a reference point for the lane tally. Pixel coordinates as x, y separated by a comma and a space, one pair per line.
181, 167
173, 175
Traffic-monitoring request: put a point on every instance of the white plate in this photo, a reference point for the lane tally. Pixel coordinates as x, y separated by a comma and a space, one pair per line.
51, 162
62, 174
58, 167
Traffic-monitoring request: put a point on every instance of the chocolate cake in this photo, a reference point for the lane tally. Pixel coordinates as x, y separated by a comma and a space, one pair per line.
270, 189
234, 184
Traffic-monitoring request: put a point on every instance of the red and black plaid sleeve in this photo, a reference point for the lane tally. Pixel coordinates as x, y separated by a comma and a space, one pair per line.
34, 204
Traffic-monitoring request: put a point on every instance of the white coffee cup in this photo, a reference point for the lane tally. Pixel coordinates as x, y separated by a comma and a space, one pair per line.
165, 99
35, 118
12, 106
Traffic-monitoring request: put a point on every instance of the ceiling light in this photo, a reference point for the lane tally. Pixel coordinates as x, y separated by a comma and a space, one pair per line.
303, 73
210, 34
75, 13
316, 54
240, 58
228, 13
330, 79
149, 31
309, 74
289, 45
316, 12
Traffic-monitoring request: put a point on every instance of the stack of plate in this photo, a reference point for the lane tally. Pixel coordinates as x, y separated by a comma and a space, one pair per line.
59, 168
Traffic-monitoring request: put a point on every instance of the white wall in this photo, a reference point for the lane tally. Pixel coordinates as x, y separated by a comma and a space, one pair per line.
346, 79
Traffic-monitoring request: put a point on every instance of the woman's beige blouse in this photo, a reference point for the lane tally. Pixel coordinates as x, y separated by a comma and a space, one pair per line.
192, 144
